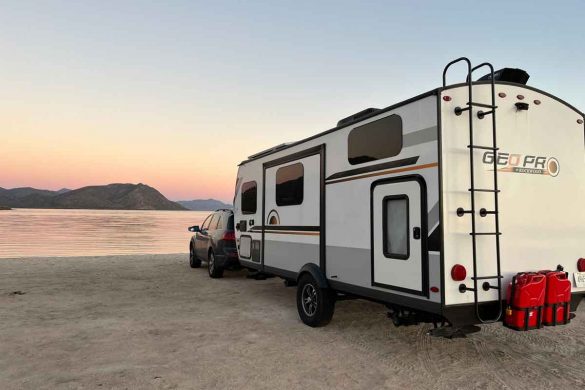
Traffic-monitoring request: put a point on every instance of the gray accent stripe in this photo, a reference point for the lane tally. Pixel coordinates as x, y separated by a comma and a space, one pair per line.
420, 137
434, 217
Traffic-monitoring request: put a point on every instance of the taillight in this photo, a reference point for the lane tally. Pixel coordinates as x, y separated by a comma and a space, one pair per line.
229, 236
581, 265
458, 273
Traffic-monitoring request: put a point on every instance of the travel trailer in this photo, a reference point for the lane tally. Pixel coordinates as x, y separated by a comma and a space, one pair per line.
430, 206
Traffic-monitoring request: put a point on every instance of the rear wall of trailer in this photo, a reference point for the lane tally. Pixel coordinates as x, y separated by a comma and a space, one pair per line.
541, 176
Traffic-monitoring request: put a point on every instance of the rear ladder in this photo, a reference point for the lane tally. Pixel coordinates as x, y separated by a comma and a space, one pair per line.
491, 110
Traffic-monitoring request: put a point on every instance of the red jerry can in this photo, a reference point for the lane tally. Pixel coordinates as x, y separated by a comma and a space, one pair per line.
557, 299
525, 301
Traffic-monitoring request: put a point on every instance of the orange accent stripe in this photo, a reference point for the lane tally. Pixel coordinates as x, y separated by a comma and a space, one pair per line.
390, 171
292, 232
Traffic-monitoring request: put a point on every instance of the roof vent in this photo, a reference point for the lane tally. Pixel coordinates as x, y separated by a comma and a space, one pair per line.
356, 116
510, 75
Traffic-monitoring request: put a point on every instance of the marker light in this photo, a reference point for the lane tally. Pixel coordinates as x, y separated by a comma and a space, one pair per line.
537, 102
447, 98
581, 265
502, 95
458, 273
520, 97
580, 121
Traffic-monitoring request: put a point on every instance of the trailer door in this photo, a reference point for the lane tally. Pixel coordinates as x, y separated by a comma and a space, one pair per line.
398, 234
292, 212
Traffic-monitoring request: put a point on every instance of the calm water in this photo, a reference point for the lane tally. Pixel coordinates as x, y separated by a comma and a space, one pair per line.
32, 232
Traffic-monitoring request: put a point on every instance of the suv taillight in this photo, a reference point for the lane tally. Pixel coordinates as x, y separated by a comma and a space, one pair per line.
229, 236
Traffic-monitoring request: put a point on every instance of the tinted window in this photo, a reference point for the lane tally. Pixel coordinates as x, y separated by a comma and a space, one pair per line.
214, 221
376, 140
289, 185
396, 230
206, 223
230, 224
220, 222
249, 197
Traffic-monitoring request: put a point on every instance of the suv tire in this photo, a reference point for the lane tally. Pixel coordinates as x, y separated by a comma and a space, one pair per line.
315, 304
194, 262
213, 269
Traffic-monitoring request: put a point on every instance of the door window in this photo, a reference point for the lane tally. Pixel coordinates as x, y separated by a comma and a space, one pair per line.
290, 185
396, 227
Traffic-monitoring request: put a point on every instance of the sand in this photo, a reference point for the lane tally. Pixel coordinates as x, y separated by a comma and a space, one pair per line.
130, 322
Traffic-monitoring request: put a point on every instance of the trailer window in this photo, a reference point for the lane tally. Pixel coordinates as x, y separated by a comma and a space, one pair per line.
290, 185
396, 227
375, 140
249, 197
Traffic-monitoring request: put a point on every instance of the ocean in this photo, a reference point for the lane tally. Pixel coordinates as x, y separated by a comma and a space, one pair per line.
47, 233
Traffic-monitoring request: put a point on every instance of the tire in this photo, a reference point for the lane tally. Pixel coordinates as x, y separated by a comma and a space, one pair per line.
214, 271
315, 304
194, 262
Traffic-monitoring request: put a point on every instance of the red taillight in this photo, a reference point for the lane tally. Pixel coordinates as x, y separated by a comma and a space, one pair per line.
447, 98
581, 265
229, 236
435, 289
458, 273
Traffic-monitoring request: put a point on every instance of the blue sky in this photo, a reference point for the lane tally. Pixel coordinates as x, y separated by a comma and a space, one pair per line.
166, 92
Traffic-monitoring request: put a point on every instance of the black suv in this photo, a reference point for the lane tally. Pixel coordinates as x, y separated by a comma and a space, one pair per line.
214, 242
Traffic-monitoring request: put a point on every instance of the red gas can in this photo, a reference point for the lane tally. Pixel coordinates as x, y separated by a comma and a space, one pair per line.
557, 298
525, 301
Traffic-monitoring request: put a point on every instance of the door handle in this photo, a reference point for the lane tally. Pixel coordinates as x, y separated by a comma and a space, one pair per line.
416, 233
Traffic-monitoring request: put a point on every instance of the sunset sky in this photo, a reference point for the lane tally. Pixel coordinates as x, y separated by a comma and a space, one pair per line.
175, 94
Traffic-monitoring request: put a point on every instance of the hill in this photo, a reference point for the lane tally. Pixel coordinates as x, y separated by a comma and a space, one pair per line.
204, 204
107, 197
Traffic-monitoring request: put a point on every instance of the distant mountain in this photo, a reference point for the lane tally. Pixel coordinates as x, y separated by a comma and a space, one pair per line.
109, 197
204, 204
21, 192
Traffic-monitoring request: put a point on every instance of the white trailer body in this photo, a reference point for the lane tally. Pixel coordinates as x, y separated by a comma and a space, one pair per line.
370, 208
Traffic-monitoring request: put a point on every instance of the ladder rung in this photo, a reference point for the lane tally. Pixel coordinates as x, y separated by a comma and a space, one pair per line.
482, 105
487, 277
486, 234
482, 190
483, 147
482, 114
484, 212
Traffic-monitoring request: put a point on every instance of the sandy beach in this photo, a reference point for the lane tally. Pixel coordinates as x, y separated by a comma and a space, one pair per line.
150, 321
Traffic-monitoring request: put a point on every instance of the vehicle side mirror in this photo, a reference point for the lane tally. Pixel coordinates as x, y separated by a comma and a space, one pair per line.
194, 229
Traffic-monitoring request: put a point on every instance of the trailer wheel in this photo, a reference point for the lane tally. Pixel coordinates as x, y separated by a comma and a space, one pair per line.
315, 304
194, 262
213, 269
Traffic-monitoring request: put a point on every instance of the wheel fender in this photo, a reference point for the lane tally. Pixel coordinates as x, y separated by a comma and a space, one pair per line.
315, 272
